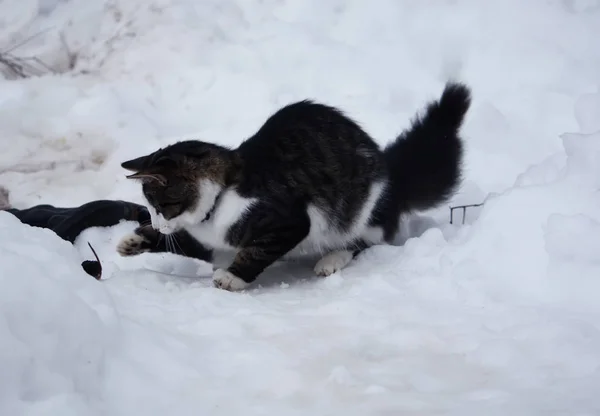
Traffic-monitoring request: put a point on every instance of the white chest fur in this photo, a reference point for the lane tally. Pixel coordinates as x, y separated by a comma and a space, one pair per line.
212, 232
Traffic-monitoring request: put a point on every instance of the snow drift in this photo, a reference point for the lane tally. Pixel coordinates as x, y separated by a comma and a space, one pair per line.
499, 316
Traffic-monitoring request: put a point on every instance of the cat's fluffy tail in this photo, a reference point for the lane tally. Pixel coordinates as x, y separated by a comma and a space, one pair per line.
425, 160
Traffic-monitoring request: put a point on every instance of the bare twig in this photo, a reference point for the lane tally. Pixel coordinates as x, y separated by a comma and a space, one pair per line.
13, 67
71, 56
23, 67
26, 40
85, 59
40, 63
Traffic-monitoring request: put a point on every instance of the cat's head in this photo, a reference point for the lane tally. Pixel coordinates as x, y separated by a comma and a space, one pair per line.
181, 182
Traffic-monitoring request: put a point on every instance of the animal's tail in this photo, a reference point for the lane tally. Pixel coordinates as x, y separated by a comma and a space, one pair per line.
425, 160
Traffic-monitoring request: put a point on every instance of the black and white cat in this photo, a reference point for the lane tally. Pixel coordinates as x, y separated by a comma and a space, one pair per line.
310, 181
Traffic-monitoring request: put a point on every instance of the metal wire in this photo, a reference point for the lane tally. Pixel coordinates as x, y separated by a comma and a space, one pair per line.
464, 211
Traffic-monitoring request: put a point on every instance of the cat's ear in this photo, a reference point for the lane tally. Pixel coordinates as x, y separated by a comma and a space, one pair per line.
135, 165
138, 166
167, 162
151, 176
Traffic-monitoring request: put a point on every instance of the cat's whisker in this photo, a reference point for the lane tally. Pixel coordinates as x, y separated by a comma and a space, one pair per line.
173, 244
164, 237
170, 243
181, 251
173, 250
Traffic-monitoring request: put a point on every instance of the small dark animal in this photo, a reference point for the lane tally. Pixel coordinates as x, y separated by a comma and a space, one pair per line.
310, 181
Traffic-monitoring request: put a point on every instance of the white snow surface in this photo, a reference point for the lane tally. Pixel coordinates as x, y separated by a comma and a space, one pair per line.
499, 316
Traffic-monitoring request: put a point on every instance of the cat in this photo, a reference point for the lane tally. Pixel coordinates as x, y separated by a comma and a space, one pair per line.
309, 181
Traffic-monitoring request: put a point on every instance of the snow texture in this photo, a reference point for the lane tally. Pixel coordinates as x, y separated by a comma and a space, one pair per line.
499, 316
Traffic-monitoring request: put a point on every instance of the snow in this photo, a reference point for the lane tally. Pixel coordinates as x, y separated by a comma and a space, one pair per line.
497, 316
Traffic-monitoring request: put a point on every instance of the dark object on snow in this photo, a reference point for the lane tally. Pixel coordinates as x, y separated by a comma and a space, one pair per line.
464, 211
93, 267
68, 223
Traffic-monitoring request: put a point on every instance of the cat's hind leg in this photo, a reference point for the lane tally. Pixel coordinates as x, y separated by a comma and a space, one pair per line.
335, 261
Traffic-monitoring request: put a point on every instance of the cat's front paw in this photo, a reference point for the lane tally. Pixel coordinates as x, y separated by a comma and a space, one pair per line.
226, 280
132, 245
333, 262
